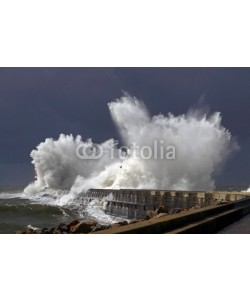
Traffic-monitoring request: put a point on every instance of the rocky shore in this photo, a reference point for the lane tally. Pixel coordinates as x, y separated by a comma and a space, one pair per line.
86, 227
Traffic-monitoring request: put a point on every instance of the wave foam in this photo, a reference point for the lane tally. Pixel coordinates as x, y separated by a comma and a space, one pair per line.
202, 146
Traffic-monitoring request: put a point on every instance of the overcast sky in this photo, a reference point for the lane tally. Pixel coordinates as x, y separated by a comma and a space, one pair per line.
36, 103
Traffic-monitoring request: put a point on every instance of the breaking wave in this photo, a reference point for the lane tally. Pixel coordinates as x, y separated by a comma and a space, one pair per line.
201, 147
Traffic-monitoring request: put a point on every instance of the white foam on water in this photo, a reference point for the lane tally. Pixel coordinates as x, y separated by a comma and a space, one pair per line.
10, 195
32, 227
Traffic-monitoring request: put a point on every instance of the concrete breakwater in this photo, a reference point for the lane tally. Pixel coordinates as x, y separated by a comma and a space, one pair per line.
134, 204
209, 219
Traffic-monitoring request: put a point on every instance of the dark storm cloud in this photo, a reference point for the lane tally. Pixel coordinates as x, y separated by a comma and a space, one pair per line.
36, 103
40, 103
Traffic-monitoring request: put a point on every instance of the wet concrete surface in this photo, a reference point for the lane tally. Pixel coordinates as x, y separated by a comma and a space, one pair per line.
240, 227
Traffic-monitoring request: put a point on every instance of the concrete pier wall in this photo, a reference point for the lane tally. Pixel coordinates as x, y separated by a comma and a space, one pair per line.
133, 204
204, 220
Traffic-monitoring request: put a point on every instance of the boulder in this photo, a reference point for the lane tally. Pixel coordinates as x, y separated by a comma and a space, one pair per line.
82, 227
151, 214
30, 231
99, 228
122, 223
134, 222
91, 223
175, 211
51, 230
63, 228
161, 215
20, 231
74, 223
161, 210
45, 231
195, 207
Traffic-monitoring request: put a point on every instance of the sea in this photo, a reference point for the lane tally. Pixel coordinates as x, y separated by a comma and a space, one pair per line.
17, 211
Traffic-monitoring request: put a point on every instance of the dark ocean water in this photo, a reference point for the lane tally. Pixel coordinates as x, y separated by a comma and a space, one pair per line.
18, 212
